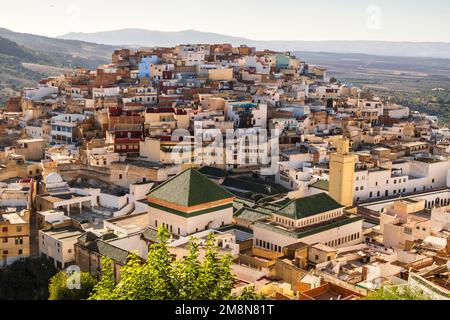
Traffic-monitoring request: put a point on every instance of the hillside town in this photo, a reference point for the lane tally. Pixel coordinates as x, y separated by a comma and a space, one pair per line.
318, 190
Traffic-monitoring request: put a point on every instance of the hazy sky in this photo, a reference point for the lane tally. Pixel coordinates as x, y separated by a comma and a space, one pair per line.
394, 20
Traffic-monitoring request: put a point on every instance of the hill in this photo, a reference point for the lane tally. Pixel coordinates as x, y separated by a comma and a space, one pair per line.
26, 58
63, 52
150, 38
412, 82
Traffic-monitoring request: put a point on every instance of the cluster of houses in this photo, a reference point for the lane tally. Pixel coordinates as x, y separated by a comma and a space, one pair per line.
316, 188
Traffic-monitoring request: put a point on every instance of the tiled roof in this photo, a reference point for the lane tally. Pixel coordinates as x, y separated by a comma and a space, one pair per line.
309, 206
95, 244
190, 188
301, 233
213, 172
251, 215
321, 185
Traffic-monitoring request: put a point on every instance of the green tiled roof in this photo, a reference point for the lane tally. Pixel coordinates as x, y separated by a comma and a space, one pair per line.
298, 234
107, 250
93, 243
190, 188
235, 227
265, 209
250, 215
309, 206
248, 203
151, 235
86, 238
213, 172
321, 185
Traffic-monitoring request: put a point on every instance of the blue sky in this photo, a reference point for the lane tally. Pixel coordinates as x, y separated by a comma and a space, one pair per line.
398, 20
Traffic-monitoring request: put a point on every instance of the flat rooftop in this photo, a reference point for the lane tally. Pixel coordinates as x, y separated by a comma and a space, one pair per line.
132, 222
65, 233
12, 218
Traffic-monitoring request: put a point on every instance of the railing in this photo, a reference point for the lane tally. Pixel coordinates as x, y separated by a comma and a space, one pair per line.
399, 196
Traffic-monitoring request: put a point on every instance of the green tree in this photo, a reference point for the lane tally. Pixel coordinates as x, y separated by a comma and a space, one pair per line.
249, 294
26, 280
397, 293
161, 277
59, 289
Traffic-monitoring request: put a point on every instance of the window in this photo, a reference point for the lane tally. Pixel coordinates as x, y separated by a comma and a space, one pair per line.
120, 176
5, 240
20, 252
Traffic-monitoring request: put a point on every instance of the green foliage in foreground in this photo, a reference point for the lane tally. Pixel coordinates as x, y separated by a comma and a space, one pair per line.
163, 278
26, 280
59, 289
397, 293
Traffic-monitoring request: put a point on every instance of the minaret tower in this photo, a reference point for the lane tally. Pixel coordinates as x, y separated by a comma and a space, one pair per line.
342, 173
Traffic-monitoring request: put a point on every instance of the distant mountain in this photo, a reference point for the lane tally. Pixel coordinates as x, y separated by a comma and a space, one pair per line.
26, 58
64, 52
148, 38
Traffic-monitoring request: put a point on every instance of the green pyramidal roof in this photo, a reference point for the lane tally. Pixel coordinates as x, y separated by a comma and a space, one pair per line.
190, 188
309, 206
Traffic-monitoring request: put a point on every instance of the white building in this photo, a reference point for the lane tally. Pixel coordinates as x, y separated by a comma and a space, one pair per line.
313, 219
247, 114
64, 127
58, 245
190, 203
405, 177
105, 92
